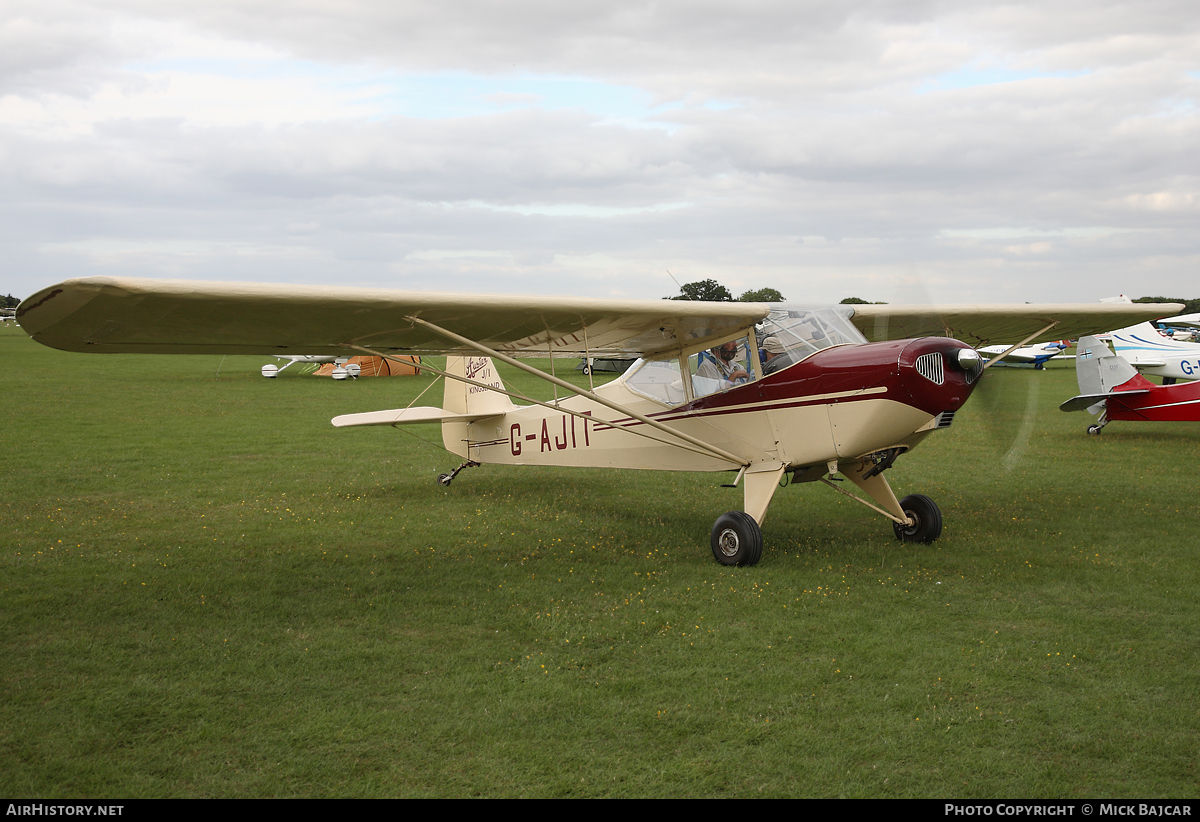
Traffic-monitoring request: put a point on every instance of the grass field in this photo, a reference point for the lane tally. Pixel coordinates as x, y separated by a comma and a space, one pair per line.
209, 591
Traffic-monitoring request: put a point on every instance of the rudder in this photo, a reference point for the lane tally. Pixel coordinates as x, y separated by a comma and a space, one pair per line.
462, 398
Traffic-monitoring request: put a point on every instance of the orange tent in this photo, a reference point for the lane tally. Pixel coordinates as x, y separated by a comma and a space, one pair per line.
377, 367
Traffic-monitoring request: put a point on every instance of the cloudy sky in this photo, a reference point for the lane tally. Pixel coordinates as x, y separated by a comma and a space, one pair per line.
903, 151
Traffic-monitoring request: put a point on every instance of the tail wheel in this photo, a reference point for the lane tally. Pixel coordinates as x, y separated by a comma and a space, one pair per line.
927, 520
1095, 430
736, 539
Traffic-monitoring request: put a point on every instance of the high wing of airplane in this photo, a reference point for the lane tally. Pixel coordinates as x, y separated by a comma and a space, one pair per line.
841, 404
1112, 387
980, 325
1151, 353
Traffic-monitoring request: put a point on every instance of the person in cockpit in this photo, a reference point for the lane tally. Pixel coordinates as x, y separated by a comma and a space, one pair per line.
776, 357
721, 367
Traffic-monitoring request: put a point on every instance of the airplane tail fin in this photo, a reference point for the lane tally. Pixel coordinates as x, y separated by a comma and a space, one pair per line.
461, 398
463, 404
471, 400
1100, 372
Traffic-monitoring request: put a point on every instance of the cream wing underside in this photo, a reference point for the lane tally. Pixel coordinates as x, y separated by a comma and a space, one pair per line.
109, 315
125, 315
979, 325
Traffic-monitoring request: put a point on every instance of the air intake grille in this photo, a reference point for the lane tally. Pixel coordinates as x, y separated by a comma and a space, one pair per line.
929, 366
944, 419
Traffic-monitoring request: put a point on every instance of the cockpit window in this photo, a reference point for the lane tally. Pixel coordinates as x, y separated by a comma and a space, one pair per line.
708, 371
788, 335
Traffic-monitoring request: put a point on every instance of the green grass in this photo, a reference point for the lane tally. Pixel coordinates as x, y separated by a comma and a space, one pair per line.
209, 591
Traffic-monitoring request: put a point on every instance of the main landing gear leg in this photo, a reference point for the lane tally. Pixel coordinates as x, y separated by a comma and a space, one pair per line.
921, 518
737, 535
446, 479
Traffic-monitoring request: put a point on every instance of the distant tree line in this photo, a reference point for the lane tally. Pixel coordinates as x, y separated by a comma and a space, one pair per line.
10, 301
713, 292
1190, 306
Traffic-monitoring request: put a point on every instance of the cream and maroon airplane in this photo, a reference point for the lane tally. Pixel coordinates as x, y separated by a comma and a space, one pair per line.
836, 403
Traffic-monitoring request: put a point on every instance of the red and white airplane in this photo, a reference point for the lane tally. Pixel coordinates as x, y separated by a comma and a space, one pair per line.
1110, 386
821, 401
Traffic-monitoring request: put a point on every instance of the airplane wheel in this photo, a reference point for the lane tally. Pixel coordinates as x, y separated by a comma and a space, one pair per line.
444, 479
1095, 430
587, 372
736, 539
927, 520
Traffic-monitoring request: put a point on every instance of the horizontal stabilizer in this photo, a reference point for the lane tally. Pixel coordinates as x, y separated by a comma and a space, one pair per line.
1087, 400
405, 416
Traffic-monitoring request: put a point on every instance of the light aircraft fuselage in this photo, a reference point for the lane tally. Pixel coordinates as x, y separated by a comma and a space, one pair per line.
839, 403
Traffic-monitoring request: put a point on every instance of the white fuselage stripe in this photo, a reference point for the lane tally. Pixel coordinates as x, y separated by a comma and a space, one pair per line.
1164, 405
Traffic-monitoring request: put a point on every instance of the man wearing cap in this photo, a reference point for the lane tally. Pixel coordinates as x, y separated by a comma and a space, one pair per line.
776, 356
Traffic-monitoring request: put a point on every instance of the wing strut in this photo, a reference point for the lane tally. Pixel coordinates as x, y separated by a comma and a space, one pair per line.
593, 419
1013, 348
709, 451
591, 395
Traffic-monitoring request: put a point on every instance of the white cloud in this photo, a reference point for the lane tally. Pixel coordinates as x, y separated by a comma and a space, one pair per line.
532, 146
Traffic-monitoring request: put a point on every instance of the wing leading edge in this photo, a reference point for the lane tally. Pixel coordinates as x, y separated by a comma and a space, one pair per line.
126, 315
980, 325
120, 315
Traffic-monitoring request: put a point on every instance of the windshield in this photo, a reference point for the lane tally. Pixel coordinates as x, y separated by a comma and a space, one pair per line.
803, 331
786, 336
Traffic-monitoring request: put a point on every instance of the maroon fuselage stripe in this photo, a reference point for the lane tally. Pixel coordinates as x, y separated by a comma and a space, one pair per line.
850, 369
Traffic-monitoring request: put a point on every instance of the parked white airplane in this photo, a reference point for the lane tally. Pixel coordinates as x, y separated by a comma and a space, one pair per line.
1143, 347
1035, 355
270, 371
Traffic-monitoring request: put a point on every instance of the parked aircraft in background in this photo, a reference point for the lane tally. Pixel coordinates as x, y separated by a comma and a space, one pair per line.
1182, 319
1035, 355
595, 365
843, 406
270, 371
1143, 347
1111, 387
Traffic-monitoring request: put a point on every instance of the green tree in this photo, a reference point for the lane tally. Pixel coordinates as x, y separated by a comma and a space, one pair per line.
858, 301
706, 290
10, 301
761, 295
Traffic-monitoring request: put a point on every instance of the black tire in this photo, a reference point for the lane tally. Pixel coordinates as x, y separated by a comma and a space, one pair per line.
587, 371
927, 520
1095, 430
444, 479
736, 539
